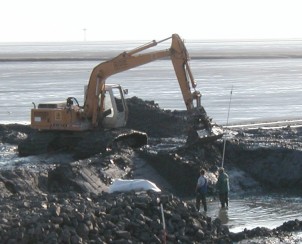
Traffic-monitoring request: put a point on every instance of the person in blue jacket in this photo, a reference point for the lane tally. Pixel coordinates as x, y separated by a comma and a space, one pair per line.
223, 188
201, 191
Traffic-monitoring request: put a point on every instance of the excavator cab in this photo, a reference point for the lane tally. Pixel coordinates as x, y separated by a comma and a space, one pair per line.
115, 109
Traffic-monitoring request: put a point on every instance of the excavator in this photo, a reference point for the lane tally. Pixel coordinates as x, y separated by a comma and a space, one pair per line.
105, 105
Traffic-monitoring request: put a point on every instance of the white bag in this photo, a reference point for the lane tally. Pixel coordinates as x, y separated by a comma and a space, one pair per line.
120, 185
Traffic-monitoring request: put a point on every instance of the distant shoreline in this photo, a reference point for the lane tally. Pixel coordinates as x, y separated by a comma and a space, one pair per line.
76, 59
187, 40
104, 50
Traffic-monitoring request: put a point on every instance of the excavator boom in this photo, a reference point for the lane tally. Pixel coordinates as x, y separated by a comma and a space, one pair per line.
134, 58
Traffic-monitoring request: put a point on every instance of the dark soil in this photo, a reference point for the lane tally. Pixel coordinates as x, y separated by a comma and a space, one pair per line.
67, 201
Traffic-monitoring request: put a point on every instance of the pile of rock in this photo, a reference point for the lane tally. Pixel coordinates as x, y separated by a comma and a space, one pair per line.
132, 217
105, 218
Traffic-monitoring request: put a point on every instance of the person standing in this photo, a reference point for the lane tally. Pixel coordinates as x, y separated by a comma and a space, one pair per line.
201, 190
223, 188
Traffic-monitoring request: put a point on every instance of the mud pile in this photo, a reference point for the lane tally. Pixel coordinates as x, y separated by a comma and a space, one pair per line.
147, 116
66, 200
271, 156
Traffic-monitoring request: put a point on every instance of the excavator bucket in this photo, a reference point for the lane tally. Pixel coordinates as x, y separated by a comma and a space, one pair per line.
204, 135
202, 130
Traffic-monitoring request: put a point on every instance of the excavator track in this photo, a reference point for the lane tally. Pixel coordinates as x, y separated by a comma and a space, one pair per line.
81, 144
37, 143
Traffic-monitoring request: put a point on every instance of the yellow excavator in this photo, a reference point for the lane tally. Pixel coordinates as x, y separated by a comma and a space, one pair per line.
104, 104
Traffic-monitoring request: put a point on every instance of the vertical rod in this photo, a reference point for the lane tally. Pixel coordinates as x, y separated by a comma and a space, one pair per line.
227, 123
164, 223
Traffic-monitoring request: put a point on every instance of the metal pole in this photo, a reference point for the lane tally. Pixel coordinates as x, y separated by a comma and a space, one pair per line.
227, 123
164, 223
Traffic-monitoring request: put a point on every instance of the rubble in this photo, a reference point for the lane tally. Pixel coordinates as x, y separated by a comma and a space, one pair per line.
68, 202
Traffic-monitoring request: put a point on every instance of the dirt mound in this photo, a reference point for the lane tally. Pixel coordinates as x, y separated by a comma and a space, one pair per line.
147, 116
271, 156
65, 202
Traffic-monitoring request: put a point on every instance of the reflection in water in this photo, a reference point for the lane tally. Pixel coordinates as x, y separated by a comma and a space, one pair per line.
223, 215
256, 211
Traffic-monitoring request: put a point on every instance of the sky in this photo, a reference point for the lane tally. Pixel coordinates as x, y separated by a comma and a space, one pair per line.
102, 20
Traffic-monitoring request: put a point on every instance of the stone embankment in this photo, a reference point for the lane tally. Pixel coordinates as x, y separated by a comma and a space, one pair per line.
115, 218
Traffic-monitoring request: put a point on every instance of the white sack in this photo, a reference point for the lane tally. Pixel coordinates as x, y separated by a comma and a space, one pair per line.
120, 185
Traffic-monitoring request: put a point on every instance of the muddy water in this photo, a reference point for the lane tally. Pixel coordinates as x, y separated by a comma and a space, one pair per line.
260, 211
296, 238
9, 158
256, 211
262, 87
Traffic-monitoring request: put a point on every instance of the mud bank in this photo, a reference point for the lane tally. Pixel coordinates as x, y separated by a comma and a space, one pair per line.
67, 200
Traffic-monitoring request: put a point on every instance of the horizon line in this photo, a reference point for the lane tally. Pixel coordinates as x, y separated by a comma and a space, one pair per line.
185, 39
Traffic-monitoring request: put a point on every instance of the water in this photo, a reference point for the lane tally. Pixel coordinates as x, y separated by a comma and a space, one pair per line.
249, 212
263, 87
264, 77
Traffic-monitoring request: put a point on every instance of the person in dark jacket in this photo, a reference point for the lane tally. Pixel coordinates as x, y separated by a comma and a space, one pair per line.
201, 191
223, 188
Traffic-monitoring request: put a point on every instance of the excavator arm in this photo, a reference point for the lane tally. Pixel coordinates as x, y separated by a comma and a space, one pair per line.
137, 57
180, 57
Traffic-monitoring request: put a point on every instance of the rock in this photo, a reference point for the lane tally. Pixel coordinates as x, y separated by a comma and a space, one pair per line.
55, 210
123, 234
